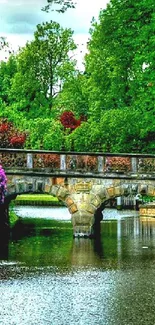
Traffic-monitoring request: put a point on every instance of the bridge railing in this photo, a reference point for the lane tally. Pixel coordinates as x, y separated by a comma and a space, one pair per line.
77, 162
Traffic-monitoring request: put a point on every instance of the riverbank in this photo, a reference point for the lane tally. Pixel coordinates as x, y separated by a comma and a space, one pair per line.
38, 200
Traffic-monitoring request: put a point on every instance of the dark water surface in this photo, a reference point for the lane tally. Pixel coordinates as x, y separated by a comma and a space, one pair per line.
47, 277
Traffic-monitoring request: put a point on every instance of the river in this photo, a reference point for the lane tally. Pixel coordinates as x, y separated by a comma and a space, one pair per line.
47, 277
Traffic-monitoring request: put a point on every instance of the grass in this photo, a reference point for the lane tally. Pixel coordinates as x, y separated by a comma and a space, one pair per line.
12, 218
148, 199
37, 199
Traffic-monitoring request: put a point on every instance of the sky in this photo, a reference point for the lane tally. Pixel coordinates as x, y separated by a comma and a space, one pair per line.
18, 20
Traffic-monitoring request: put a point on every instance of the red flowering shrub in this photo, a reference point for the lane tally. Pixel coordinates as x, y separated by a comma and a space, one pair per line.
18, 140
68, 120
10, 137
4, 126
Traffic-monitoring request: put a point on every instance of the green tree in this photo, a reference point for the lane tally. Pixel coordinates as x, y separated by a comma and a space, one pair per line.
43, 65
73, 96
61, 5
124, 130
7, 71
44, 133
121, 44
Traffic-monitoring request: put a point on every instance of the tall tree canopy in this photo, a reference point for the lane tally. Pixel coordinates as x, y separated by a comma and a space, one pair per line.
116, 92
121, 45
74, 95
7, 72
43, 65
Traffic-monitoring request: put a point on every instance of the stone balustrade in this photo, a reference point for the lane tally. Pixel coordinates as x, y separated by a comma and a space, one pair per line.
81, 163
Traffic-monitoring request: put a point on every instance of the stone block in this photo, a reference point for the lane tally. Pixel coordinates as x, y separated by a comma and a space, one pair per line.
47, 188
73, 208
54, 190
62, 193
90, 208
60, 180
118, 190
151, 190
20, 186
111, 191
96, 201
125, 189
134, 188
83, 187
69, 201
100, 191
29, 186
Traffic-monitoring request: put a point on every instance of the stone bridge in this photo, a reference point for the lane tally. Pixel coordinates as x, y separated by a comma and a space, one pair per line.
83, 181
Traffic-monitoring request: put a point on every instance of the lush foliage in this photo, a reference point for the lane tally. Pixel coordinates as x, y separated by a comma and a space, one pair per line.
74, 96
43, 65
42, 91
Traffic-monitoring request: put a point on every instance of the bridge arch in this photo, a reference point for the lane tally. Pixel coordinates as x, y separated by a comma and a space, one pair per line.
85, 188
84, 198
86, 206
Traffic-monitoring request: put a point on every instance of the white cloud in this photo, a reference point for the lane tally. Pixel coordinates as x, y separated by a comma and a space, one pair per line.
18, 31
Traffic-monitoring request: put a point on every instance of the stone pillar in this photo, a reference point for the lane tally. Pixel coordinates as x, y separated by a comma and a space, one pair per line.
29, 160
83, 222
119, 203
134, 164
63, 162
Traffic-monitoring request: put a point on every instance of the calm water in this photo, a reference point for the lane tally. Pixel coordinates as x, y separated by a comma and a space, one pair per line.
47, 277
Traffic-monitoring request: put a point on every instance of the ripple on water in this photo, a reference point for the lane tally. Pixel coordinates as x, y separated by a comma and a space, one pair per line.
85, 297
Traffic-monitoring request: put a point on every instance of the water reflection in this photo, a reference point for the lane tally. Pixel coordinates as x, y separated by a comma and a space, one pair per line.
45, 243
47, 277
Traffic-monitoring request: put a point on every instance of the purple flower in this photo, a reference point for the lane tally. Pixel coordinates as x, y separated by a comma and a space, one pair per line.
3, 184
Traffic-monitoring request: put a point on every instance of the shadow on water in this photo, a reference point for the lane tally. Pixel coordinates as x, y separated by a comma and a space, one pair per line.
4, 246
42, 242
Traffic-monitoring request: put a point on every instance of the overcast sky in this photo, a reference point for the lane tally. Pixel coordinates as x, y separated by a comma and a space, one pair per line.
18, 19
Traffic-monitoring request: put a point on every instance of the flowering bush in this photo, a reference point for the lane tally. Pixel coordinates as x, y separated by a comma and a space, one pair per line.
68, 120
3, 182
18, 140
4, 127
10, 137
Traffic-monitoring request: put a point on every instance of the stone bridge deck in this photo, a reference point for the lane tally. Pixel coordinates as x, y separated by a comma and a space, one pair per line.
83, 181
72, 164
